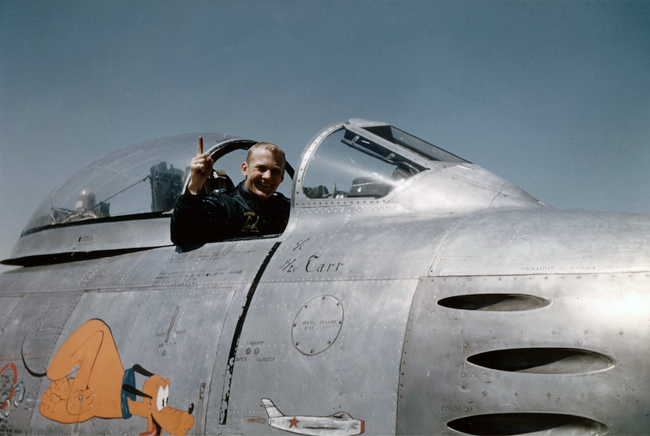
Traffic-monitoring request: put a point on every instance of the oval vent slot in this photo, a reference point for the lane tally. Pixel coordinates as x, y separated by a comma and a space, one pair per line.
543, 361
494, 302
501, 424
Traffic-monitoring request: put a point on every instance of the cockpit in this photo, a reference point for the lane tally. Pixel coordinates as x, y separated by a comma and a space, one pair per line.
144, 180
122, 201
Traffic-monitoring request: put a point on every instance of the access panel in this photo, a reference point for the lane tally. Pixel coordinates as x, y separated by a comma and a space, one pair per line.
315, 358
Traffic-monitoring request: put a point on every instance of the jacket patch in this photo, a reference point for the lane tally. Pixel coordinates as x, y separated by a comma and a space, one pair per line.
250, 222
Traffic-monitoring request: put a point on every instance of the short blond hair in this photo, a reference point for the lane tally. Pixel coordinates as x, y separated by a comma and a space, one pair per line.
274, 149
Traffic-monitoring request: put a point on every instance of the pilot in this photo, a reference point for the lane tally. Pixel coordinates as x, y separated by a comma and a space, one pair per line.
249, 209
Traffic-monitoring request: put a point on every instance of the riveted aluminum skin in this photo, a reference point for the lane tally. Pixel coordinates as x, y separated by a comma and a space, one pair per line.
453, 304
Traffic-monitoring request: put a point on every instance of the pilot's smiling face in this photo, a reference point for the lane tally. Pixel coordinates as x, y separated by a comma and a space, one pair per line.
264, 173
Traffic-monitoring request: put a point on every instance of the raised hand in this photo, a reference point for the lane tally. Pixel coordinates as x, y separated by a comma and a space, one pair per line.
200, 169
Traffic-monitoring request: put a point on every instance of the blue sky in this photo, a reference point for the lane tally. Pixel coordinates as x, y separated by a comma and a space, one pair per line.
551, 95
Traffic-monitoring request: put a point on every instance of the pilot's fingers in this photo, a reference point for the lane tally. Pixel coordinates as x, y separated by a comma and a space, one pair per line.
201, 163
200, 149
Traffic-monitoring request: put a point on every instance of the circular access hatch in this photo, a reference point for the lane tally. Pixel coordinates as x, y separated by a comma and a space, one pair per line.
317, 325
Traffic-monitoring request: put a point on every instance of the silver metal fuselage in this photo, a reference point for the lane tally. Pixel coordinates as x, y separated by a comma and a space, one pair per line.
456, 304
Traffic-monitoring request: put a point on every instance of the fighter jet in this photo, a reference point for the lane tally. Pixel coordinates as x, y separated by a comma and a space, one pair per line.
415, 289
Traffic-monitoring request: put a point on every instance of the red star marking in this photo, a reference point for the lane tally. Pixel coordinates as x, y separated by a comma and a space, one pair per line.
294, 423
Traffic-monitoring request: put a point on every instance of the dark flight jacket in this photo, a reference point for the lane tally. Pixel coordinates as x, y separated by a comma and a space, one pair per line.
226, 214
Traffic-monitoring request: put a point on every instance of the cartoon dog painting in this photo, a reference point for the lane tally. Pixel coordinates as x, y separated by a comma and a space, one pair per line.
102, 388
